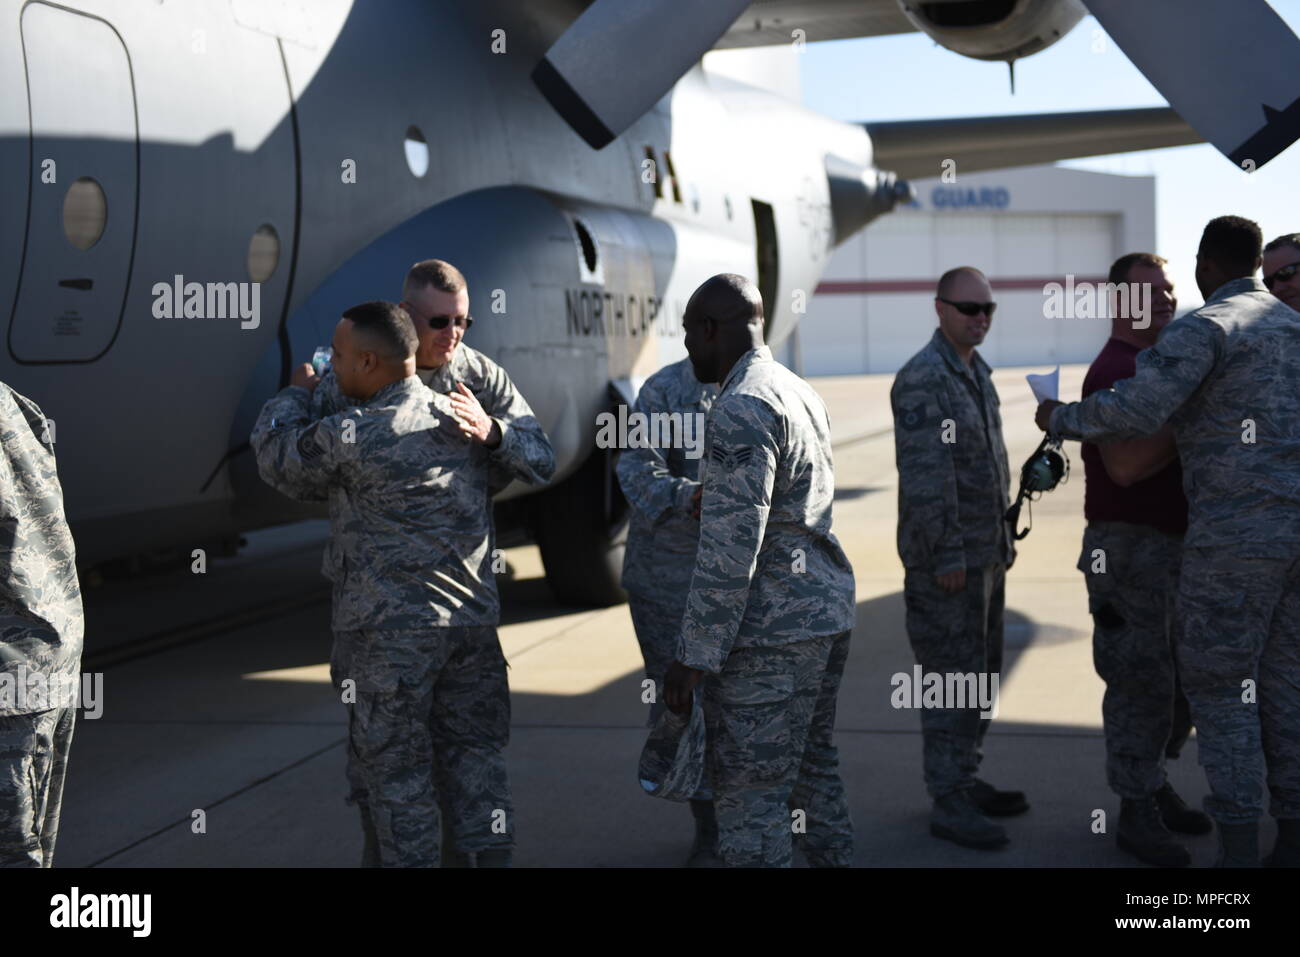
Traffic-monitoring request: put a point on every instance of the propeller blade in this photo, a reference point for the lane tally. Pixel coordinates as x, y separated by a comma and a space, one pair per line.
619, 57
917, 148
1231, 70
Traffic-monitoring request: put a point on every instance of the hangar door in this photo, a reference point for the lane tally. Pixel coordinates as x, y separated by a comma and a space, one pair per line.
883, 312
1038, 249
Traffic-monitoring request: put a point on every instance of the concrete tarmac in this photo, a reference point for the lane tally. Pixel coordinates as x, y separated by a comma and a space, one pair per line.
226, 750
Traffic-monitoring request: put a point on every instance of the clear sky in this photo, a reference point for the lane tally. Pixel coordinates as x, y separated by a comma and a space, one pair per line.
910, 77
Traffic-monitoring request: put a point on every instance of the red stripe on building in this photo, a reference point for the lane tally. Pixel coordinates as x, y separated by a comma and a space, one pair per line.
834, 287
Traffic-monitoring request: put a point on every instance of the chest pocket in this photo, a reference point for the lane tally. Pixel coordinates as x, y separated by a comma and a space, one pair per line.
976, 433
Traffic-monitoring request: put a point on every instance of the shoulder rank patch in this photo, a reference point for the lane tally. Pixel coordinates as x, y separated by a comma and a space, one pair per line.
1160, 361
912, 419
731, 458
307, 445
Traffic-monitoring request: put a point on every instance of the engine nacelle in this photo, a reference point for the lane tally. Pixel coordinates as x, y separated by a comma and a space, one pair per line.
994, 29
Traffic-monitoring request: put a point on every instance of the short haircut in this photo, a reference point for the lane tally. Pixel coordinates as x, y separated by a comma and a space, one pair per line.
1283, 241
1233, 242
1121, 267
727, 297
385, 328
440, 275
949, 279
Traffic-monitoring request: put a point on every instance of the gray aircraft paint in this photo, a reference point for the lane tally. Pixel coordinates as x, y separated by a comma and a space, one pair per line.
148, 409
206, 120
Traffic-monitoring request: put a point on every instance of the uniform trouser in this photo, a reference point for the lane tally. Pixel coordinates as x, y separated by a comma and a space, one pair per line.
1132, 576
429, 727
1182, 729
769, 717
1239, 653
658, 624
955, 634
33, 765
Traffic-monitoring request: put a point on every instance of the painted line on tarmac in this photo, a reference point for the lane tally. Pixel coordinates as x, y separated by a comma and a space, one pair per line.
184, 821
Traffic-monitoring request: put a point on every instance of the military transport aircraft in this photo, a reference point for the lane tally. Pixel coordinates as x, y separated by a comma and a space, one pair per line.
194, 190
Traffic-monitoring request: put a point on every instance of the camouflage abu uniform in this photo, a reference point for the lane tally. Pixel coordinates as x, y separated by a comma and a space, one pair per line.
1134, 632
953, 488
770, 608
41, 630
1222, 376
524, 453
415, 608
522, 436
660, 485
1132, 549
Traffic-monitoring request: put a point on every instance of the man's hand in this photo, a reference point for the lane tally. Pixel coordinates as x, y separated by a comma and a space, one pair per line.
678, 685
475, 424
1043, 417
306, 377
695, 502
952, 582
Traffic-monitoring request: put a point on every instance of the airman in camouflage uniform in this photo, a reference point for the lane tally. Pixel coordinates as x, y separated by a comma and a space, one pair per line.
771, 600
1224, 376
41, 630
662, 486
415, 601
953, 489
436, 297
468, 385
435, 292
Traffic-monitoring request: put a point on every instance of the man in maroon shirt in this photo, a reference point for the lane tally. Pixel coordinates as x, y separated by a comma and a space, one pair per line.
1132, 550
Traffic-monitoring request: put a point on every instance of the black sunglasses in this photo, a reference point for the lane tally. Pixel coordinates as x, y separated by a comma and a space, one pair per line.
1282, 275
440, 322
971, 308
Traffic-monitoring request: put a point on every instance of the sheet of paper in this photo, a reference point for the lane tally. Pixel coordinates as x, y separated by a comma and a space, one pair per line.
1046, 386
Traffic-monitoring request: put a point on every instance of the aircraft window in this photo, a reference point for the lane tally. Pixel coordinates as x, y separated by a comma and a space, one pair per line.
654, 169
726, 204
588, 245
695, 198
85, 213
417, 152
263, 253
677, 190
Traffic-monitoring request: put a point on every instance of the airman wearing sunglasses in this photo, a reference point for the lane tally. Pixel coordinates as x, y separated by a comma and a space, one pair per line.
1282, 269
953, 489
486, 405
499, 441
